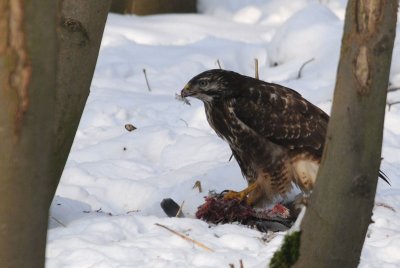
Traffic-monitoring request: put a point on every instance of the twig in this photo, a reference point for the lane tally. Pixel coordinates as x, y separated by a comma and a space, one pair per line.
393, 89
59, 222
219, 64
180, 98
302, 66
147, 81
230, 158
380, 204
179, 213
185, 237
186, 123
390, 104
231, 265
132, 211
256, 68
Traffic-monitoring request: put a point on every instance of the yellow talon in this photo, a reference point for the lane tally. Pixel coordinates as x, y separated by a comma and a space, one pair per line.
242, 195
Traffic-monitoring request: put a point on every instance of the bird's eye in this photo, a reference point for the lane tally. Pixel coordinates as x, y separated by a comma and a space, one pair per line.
203, 83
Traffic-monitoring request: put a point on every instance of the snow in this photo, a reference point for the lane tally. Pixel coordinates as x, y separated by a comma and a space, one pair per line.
108, 200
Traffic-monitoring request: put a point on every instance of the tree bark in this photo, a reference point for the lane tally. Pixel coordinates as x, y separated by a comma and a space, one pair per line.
81, 27
148, 7
40, 109
28, 57
337, 219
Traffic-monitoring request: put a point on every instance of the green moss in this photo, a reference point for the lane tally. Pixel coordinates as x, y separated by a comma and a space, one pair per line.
288, 254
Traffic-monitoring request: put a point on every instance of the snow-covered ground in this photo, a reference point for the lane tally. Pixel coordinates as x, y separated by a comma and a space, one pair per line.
108, 199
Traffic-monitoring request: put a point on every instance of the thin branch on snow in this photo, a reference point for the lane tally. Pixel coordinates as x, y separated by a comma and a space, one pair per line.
390, 104
186, 123
185, 237
147, 80
219, 64
302, 67
256, 68
393, 89
179, 214
59, 222
132, 211
231, 265
381, 204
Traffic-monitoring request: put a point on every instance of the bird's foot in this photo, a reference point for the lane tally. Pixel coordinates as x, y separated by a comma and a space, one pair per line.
235, 195
242, 195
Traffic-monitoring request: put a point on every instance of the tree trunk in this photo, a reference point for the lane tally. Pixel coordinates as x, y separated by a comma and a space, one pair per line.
337, 219
81, 30
28, 57
148, 7
40, 110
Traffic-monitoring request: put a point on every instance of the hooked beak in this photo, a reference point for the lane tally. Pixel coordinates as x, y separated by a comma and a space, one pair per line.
186, 91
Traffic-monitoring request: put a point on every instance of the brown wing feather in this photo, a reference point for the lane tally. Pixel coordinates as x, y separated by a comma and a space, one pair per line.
282, 116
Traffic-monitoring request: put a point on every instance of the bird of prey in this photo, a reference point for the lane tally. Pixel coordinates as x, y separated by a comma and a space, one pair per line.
276, 136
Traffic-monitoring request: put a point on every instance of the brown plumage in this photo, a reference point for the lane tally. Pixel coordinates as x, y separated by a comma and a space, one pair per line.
276, 135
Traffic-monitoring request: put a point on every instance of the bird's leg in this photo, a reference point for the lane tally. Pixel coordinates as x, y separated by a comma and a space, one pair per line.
242, 195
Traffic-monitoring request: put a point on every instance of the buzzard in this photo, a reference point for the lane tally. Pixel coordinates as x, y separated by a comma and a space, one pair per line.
276, 136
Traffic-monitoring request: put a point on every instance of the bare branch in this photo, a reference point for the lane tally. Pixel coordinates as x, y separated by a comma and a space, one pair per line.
179, 214
380, 204
302, 67
147, 81
185, 237
219, 64
57, 221
256, 68
390, 104
186, 123
393, 89
231, 265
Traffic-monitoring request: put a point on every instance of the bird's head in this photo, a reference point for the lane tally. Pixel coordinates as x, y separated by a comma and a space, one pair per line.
211, 85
